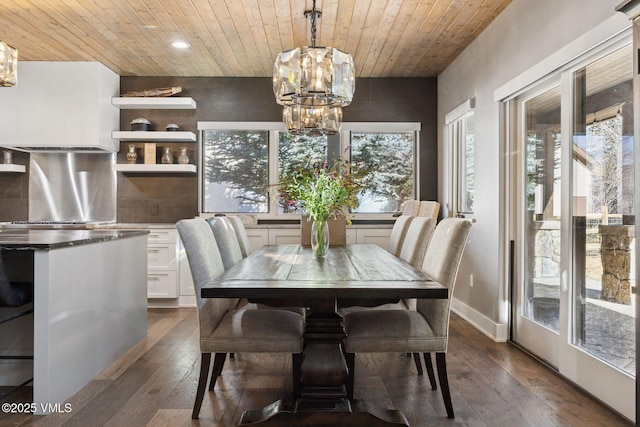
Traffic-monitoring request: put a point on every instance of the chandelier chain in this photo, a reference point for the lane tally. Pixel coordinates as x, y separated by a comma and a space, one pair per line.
314, 15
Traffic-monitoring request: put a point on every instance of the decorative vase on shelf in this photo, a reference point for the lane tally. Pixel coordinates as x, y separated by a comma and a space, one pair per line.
132, 155
183, 159
320, 238
8, 157
167, 158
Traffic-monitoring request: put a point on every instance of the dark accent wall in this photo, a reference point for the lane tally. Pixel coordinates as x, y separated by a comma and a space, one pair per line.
14, 191
168, 198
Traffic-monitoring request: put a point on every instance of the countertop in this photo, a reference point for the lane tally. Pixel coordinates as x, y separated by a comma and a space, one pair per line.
52, 239
263, 225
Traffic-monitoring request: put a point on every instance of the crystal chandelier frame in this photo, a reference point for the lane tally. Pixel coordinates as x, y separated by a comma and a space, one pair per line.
8, 65
313, 83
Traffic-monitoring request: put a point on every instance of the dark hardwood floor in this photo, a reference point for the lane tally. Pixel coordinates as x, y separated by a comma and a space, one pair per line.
492, 384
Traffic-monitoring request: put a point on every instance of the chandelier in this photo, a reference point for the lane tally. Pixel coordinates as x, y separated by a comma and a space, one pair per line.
313, 83
312, 120
8, 65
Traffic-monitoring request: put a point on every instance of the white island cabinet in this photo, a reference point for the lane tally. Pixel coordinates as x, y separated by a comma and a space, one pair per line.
90, 298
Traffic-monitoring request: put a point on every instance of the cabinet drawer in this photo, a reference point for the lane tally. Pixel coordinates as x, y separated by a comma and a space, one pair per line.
162, 235
162, 284
284, 236
161, 257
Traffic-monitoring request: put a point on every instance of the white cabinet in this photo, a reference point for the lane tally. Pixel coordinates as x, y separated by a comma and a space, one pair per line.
162, 264
63, 105
375, 236
285, 236
187, 291
258, 237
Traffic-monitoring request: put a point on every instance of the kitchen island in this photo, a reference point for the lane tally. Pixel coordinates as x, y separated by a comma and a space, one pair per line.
90, 296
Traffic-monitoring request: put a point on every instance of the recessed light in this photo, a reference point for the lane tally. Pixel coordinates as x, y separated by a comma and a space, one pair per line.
180, 44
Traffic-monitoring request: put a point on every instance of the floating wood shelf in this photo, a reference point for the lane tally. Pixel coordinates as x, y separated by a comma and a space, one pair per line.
160, 103
157, 168
178, 136
13, 168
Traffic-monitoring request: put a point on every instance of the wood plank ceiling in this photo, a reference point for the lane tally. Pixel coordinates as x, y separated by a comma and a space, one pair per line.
241, 38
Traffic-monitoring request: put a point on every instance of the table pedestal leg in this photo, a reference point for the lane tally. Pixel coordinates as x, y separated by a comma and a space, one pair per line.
323, 396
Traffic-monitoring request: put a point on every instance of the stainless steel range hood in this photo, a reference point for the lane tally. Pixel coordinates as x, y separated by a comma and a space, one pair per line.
70, 148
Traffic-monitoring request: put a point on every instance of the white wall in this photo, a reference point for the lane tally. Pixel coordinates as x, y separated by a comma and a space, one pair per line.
520, 38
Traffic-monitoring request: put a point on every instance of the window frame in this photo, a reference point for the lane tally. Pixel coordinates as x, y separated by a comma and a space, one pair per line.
383, 127
274, 129
455, 120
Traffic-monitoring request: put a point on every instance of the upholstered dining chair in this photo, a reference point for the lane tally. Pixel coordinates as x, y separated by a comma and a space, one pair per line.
223, 330
411, 208
416, 240
241, 234
429, 208
413, 249
16, 302
425, 330
227, 240
230, 235
398, 233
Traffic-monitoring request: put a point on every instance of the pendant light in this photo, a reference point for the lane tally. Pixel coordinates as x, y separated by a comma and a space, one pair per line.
313, 83
8, 65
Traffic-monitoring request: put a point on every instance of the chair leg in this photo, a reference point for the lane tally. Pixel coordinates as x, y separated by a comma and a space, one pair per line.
429, 365
351, 364
218, 364
202, 384
416, 359
297, 365
441, 362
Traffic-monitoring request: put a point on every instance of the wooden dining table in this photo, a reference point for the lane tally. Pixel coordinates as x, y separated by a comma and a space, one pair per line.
291, 275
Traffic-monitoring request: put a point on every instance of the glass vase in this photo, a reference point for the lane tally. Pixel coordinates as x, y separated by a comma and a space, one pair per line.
320, 238
183, 158
132, 156
8, 157
167, 158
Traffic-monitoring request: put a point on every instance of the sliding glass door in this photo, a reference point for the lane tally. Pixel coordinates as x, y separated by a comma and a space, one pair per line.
538, 219
573, 225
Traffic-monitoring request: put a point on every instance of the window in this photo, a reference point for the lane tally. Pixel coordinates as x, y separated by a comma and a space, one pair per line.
386, 155
241, 161
462, 140
299, 151
235, 171
386, 163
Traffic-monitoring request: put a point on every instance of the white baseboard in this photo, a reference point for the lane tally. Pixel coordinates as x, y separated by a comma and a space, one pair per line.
181, 301
498, 332
163, 303
188, 301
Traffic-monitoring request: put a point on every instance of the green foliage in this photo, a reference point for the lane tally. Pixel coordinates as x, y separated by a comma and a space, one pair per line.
385, 162
238, 158
320, 192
